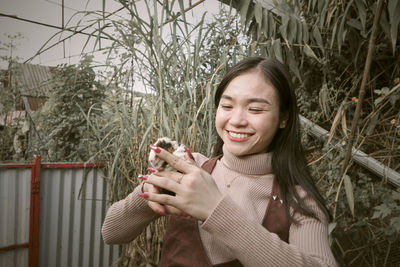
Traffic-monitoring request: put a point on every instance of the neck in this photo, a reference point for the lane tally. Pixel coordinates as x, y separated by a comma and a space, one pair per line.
255, 164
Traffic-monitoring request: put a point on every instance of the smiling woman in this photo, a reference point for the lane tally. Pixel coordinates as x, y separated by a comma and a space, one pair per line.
253, 205
247, 124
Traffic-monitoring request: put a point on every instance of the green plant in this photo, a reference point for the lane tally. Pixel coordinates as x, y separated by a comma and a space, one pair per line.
177, 75
62, 120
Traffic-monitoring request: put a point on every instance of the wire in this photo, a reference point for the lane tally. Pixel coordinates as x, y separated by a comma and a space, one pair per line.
68, 37
50, 25
58, 4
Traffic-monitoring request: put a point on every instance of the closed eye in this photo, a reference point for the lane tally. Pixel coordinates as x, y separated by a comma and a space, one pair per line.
256, 110
226, 106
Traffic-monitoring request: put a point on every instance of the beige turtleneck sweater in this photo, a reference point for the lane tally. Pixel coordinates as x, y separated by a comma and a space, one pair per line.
234, 229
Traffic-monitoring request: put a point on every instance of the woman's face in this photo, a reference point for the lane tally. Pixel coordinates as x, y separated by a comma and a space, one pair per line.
248, 114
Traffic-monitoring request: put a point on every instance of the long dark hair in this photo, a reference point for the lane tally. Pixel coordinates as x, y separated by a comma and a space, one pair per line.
288, 161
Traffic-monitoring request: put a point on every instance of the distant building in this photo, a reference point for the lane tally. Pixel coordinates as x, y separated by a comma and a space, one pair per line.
27, 86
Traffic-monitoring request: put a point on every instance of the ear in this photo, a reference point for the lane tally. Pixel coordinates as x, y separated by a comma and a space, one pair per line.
283, 121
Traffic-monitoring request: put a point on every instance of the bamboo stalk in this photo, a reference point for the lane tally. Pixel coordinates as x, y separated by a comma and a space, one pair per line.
368, 61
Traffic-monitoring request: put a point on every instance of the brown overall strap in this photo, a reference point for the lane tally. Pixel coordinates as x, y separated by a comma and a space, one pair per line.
209, 165
183, 246
275, 218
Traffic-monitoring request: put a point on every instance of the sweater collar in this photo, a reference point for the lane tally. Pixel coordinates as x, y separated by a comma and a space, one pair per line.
256, 164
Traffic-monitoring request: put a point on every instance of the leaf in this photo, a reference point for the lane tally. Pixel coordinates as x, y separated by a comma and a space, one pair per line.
381, 211
393, 99
309, 52
249, 16
349, 193
362, 12
344, 125
384, 23
395, 222
322, 13
243, 8
264, 28
284, 27
258, 13
334, 33
335, 123
271, 25
378, 100
396, 195
385, 90
341, 35
394, 20
331, 227
306, 35
293, 64
355, 24
299, 37
276, 45
318, 38
331, 14
314, 2
321, 5
292, 29
372, 124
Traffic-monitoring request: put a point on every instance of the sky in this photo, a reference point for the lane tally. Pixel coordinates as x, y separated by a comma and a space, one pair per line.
50, 12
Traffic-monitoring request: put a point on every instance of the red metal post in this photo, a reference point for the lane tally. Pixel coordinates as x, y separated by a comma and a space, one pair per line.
34, 214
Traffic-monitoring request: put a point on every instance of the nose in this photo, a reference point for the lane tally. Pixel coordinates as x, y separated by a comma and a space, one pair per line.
238, 118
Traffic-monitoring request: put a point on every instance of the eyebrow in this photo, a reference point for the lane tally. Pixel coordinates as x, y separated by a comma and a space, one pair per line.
250, 100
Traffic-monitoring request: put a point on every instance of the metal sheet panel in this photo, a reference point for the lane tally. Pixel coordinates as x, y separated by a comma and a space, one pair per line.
72, 210
14, 214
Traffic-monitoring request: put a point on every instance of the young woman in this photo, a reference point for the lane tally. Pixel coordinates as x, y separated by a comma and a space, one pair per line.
259, 205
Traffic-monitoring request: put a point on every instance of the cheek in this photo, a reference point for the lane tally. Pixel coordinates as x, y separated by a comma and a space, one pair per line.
268, 126
218, 121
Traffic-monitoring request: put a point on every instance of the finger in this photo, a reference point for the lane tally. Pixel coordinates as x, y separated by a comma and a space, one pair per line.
172, 160
158, 180
159, 198
173, 175
157, 207
161, 209
174, 211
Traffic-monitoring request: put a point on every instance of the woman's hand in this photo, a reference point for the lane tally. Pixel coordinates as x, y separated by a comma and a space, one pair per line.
157, 207
196, 193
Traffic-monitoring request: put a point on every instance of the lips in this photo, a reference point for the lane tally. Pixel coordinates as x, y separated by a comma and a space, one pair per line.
238, 137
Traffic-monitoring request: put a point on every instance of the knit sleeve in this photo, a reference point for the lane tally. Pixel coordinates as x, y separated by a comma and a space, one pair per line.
127, 218
253, 245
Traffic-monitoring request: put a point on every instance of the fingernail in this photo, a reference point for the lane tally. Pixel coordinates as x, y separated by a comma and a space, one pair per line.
144, 195
143, 177
155, 149
161, 212
152, 170
188, 152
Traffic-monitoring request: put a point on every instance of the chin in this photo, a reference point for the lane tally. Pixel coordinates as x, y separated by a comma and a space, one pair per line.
238, 152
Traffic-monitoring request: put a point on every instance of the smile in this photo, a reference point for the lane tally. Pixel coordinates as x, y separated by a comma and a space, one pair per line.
238, 137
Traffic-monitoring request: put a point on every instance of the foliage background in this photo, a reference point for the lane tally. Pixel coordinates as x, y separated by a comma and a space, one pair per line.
176, 65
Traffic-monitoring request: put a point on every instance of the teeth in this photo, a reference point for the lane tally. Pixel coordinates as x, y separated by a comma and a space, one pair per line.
238, 135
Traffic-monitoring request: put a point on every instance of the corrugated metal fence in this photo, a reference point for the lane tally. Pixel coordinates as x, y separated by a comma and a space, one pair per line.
51, 215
